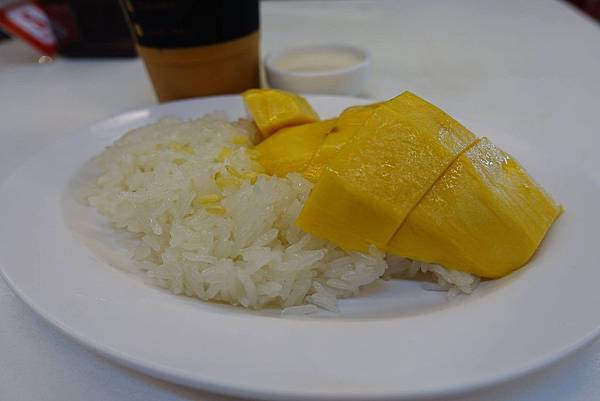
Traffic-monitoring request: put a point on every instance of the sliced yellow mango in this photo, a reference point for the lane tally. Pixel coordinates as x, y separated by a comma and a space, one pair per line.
273, 109
347, 124
369, 188
293, 147
484, 216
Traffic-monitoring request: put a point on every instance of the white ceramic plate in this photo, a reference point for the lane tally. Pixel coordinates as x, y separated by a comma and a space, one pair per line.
395, 341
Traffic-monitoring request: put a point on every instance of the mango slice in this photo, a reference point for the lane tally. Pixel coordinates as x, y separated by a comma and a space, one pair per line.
291, 148
273, 109
368, 189
484, 216
347, 124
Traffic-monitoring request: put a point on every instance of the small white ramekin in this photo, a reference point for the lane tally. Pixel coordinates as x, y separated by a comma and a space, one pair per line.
350, 81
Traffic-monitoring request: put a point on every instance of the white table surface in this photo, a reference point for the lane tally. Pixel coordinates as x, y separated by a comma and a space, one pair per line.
528, 67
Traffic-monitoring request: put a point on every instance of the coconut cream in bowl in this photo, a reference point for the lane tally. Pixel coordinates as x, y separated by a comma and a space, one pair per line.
328, 69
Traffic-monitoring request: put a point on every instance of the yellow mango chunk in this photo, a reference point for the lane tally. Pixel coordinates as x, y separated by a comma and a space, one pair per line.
484, 216
368, 189
293, 147
347, 124
273, 109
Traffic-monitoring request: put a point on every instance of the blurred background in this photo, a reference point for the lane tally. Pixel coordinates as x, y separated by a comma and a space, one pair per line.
191, 48
97, 27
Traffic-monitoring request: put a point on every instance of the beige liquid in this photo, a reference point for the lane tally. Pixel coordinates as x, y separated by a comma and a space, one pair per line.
315, 60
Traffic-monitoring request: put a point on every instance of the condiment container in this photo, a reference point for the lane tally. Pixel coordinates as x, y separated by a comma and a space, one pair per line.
328, 69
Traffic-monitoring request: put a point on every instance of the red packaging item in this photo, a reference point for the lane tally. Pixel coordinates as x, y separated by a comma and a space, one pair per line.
26, 20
